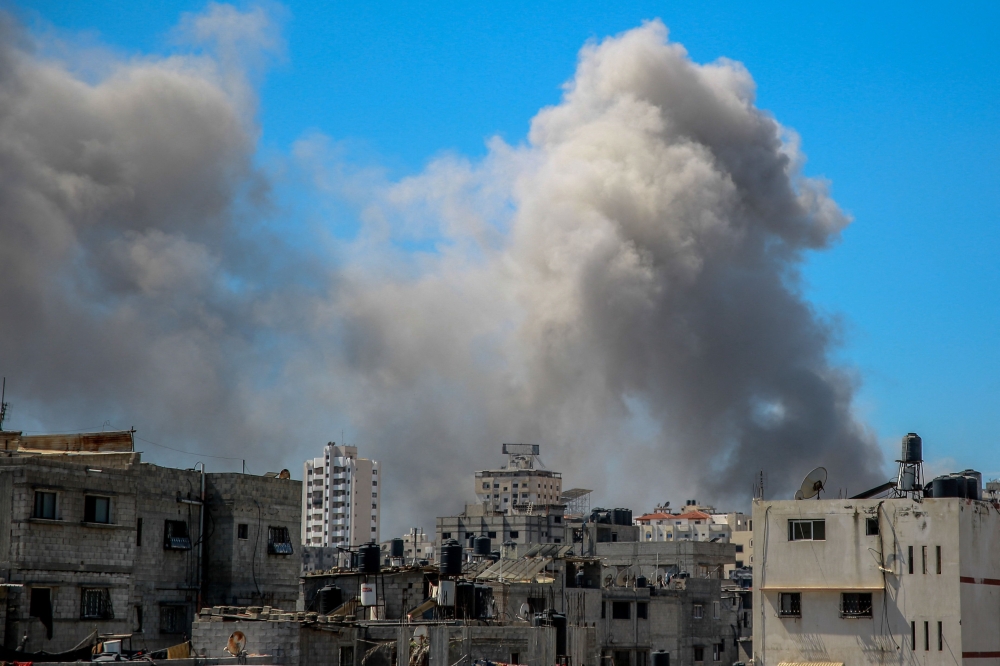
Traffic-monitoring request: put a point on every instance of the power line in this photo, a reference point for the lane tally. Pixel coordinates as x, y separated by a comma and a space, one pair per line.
190, 453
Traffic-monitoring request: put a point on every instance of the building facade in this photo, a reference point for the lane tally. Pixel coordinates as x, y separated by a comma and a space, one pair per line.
341, 499
544, 525
908, 580
521, 484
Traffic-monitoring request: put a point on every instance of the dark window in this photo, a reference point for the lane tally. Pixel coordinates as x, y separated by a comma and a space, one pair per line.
614, 537
909, 556
445, 535
790, 604
940, 637
938, 549
515, 657
642, 610
856, 604
641, 658
45, 505
278, 541
138, 531
95, 604
913, 635
871, 526
927, 636
923, 559
604, 610
242, 531
557, 519
173, 619
514, 534
347, 655
40, 606
806, 530
621, 610
138, 619
699, 653
536, 604
739, 548
620, 658
175, 535
698, 611
96, 509
716, 652
492, 535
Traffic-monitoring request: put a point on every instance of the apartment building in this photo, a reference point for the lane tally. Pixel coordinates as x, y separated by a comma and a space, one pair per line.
341, 498
521, 484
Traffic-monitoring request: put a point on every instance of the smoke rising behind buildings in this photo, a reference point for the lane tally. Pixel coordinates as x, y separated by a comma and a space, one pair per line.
623, 287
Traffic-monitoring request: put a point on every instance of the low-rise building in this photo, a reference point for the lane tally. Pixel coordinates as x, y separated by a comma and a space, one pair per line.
543, 524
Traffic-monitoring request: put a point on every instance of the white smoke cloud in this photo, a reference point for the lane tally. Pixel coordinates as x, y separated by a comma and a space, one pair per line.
623, 288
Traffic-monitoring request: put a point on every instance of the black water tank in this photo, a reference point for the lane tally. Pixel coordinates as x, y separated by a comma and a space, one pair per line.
370, 558
482, 546
465, 599
640, 581
451, 558
661, 658
929, 489
913, 448
948, 486
330, 599
559, 622
396, 547
484, 598
495, 555
975, 484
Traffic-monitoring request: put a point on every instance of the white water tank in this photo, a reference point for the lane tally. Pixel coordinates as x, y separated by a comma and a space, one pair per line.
368, 597
446, 593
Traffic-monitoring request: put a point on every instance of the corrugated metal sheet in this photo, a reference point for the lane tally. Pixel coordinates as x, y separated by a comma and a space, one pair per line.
523, 570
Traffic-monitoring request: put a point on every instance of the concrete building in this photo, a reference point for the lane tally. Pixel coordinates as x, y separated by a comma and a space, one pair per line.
903, 580
687, 526
520, 485
545, 524
341, 499
417, 546
93, 539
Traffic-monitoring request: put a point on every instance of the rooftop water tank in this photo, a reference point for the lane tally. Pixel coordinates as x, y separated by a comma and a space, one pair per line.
396, 548
482, 546
330, 599
451, 558
975, 484
949, 486
661, 658
913, 448
370, 556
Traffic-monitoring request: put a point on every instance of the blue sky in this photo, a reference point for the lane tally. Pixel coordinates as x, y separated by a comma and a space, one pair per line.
897, 105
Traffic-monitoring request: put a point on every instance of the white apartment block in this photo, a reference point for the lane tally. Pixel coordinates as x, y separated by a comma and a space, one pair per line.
341, 498
907, 581
520, 485
687, 526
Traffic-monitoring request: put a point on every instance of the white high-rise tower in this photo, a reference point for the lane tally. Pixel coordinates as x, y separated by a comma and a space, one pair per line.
341, 498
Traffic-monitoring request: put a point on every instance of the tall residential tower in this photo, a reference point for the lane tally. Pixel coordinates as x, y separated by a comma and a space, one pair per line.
337, 491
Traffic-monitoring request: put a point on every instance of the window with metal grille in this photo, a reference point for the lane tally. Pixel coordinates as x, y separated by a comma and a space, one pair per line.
96, 509
790, 604
806, 530
856, 604
45, 505
620, 610
175, 535
173, 619
95, 604
278, 541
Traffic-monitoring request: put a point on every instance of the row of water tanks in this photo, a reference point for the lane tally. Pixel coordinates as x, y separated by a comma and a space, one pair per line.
967, 484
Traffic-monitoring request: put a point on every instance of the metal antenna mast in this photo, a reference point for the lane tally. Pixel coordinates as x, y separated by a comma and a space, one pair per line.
3, 403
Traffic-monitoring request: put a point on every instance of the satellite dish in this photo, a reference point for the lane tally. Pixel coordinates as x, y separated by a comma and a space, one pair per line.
814, 482
523, 612
237, 643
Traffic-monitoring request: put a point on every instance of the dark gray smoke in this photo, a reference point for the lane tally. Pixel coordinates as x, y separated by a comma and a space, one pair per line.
623, 289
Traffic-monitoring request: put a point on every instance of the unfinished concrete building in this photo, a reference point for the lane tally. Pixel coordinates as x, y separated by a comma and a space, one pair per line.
94, 540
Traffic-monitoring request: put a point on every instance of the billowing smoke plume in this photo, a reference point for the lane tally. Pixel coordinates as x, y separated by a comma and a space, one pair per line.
623, 288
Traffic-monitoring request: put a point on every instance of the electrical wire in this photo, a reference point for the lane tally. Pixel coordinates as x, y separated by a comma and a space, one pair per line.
253, 561
190, 453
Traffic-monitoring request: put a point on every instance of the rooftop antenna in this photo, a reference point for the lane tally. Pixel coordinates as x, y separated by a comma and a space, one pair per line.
814, 482
3, 403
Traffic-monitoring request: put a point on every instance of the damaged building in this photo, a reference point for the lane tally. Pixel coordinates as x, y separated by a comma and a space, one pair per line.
93, 540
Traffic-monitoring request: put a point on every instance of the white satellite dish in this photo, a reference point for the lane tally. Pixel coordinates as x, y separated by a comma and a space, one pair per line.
522, 612
814, 482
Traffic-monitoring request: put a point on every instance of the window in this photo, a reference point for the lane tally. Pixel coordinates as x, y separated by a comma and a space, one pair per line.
909, 556
557, 519
445, 535
373, 529
938, 549
913, 635
641, 658
513, 485
243, 531
923, 559
715, 611
374, 505
95, 604
927, 636
486, 486
604, 611
642, 610
374, 483
620, 658
871, 526
514, 534
940, 635
739, 548
40, 606
96, 509
173, 619
515, 657
492, 535
698, 611
138, 619
374, 495
347, 655
138, 531
45, 505
278, 541
716, 652
790, 604
175, 535
806, 530
699, 653
856, 604
621, 610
